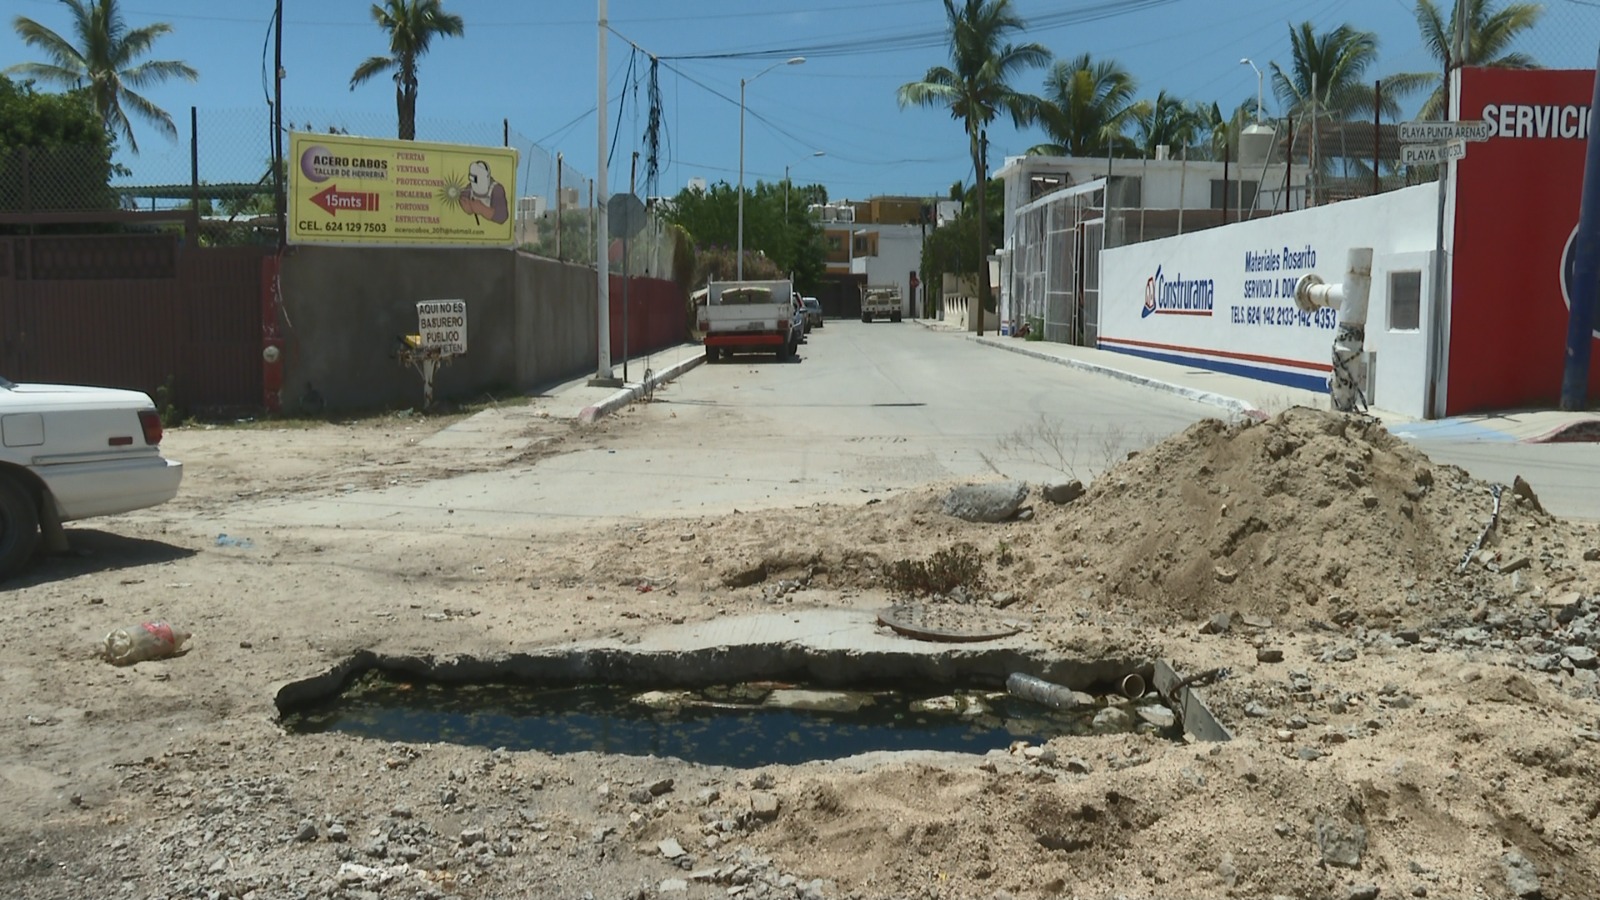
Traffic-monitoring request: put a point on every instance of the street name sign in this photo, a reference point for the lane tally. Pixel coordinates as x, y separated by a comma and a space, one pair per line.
1439, 132
1432, 154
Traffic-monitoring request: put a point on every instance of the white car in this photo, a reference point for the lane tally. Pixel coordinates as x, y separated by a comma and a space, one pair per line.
69, 452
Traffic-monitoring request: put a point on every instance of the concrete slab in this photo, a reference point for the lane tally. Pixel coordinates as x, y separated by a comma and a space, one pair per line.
822, 647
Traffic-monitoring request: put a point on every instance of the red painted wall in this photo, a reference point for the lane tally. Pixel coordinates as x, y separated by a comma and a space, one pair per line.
1516, 211
656, 317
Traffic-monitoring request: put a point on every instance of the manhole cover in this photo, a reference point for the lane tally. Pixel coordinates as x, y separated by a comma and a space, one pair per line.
946, 622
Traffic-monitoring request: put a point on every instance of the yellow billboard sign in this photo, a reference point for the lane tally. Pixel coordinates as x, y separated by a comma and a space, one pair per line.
376, 192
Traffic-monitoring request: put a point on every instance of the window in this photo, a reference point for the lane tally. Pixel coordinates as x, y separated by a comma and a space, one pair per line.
1405, 301
1241, 195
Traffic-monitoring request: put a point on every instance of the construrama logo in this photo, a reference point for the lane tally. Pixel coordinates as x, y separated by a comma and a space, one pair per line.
1179, 296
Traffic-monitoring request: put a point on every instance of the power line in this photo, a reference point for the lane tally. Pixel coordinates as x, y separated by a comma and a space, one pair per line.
934, 37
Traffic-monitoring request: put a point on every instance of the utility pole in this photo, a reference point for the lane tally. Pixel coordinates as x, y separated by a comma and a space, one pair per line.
983, 234
1586, 277
603, 376
280, 199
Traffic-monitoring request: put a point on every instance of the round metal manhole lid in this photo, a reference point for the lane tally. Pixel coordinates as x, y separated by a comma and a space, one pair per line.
946, 622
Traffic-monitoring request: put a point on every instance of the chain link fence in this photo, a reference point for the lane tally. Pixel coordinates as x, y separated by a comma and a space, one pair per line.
221, 166
1566, 35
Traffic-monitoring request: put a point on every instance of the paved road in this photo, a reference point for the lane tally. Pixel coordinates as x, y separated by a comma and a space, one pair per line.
1565, 476
865, 408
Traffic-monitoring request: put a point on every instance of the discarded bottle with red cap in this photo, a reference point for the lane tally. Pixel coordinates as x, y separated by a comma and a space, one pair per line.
145, 641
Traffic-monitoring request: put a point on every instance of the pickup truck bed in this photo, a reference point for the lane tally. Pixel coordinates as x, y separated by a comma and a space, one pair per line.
749, 316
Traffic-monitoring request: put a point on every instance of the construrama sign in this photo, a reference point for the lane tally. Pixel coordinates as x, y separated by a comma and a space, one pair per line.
1178, 296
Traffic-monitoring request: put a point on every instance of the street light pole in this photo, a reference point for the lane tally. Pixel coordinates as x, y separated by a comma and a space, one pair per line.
739, 260
1248, 62
786, 185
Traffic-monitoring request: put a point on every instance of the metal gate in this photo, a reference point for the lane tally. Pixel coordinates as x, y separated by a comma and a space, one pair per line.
1093, 232
1056, 263
138, 311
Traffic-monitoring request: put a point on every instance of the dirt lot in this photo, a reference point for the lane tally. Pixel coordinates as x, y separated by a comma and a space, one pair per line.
1428, 732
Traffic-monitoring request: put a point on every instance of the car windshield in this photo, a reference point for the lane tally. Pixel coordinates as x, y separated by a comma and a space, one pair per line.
811, 303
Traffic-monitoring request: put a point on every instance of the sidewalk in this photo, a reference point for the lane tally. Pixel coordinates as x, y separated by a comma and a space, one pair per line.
1260, 399
580, 400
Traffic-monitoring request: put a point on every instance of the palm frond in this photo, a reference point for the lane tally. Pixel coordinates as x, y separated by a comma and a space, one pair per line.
57, 48
374, 65
156, 71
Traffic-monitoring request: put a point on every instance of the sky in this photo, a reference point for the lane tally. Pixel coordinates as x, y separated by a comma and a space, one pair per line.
534, 63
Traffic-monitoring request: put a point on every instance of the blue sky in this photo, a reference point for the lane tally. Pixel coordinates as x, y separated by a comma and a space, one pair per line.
534, 62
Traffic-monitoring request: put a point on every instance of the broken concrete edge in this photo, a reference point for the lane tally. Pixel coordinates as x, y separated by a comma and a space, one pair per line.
1231, 404
1581, 431
1196, 717
590, 414
705, 666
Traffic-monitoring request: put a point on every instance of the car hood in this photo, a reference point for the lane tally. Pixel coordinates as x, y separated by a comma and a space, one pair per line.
19, 397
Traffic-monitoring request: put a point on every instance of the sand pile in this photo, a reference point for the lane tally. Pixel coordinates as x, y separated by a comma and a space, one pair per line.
1311, 510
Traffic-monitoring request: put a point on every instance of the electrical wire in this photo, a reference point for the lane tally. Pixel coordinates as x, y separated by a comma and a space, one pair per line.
933, 37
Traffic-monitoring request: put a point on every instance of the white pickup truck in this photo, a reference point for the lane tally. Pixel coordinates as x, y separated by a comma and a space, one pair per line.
880, 301
750, 316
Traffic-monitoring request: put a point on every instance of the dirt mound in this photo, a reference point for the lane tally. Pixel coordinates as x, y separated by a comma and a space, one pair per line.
1311, 507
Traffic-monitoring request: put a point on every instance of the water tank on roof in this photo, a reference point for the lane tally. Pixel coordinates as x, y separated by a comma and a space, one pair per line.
1255, 145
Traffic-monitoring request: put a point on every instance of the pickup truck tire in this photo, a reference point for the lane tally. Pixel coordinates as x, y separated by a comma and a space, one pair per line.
711, 354
19, 526
895, 317
866, 317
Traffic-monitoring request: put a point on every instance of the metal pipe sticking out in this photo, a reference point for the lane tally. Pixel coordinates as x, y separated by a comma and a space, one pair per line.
1133, 686
1044, 693
1350, 299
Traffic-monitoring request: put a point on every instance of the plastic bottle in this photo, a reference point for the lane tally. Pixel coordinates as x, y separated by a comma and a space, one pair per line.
148, 640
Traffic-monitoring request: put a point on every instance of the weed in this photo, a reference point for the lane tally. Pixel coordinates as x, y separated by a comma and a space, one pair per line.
1003, 555
960, 566
167, 405
1046, 442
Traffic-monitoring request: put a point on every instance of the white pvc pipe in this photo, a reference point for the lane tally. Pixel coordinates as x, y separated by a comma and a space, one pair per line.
1350, 298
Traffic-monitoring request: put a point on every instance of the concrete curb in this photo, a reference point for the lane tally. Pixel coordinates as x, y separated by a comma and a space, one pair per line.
1583, 431
591, 414
1230, 404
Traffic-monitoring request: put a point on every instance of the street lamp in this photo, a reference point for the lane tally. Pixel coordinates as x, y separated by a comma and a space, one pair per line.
786, 185
1247, 62
792, 61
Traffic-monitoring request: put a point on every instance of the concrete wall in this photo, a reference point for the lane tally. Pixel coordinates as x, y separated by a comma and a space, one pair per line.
346, 307
531, 321
1223, 300
557, 331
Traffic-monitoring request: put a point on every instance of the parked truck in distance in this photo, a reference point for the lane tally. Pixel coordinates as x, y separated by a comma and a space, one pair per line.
880, 301
749, 317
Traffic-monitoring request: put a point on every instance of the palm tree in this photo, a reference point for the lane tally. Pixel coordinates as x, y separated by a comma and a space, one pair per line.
1214, 133
976, 88
1486, 37
1087, 106
1164, 122
1336, 62
103, 63
412, 26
